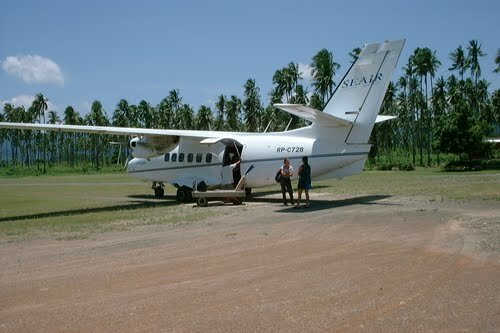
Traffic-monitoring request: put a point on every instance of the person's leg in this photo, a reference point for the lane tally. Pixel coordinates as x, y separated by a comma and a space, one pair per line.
290, 190
299, 196
283, 190
307, 197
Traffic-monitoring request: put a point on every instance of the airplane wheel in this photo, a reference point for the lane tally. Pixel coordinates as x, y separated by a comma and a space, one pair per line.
181, 195
237, 201
202, 202
159, 191
184, 195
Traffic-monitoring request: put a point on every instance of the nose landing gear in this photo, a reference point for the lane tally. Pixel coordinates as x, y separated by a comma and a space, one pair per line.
158, 187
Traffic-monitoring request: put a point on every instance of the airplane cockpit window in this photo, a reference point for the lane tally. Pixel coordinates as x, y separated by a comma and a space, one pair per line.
181, 157
167, 157
174, 157
208, 158
190, 157
199, 157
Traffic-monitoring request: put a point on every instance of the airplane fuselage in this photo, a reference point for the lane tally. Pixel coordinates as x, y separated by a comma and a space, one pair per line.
191, 161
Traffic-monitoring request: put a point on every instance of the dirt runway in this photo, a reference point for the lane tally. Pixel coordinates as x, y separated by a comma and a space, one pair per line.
369, 263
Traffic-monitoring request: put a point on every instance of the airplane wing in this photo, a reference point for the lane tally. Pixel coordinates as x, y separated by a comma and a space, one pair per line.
147, 132
318, 117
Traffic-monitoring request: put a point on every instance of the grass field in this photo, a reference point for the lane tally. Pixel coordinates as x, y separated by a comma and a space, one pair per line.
80, 206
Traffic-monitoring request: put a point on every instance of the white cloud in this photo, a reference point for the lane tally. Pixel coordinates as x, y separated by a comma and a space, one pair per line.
26, 101
33, 69
306, 71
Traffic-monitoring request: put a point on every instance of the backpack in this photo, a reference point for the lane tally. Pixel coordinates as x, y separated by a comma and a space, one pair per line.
277, 178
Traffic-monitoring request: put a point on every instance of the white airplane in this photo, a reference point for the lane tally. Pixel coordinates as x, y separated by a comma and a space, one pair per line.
336, 142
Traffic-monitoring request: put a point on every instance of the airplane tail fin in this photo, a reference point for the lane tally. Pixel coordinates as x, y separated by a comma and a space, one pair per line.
359, 96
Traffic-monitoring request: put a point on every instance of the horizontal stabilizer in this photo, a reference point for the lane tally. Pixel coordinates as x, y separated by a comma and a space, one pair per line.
318, 117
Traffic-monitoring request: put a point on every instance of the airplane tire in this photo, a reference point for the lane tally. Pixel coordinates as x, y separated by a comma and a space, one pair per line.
202, 202
159, 191
184, 195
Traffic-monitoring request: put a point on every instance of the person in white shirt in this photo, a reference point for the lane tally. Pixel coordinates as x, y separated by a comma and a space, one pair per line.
286, 184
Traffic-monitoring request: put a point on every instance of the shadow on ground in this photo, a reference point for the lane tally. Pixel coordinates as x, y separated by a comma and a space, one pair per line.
147, 201
326, 204
132, 205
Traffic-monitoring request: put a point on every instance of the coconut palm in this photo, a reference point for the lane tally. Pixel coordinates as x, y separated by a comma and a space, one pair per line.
475, 52
220, 106
233, 111
459, 61
497, 62
293, 75
252, 105
71, 117
185, 117
204, 118
323, 71
354, 54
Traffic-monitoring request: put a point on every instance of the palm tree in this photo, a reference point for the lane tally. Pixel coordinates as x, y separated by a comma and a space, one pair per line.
54, 136
204, 118
233, 110
293, 75
459, 61
354, 54
121, 115
323, 71
39, 106
71, 117
175, 101
185, 117
3, 135
252, 105
475, 52
220, 106
97, 117
497, 62
279, 79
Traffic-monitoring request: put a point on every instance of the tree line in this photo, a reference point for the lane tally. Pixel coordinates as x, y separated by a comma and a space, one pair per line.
438, 117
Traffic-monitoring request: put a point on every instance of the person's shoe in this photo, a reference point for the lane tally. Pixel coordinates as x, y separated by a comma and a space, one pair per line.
285, 204
295, 207
306, 206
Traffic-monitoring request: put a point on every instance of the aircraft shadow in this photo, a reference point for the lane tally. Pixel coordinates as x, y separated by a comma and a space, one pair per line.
151, 201
119, 207
317, 205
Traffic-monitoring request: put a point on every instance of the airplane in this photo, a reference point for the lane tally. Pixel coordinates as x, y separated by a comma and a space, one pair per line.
336, 141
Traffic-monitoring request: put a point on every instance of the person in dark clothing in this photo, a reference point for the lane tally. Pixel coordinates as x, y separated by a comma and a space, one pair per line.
286, 183
304, 181
235, 165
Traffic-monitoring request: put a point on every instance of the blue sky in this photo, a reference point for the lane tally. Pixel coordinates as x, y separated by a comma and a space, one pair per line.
75, 52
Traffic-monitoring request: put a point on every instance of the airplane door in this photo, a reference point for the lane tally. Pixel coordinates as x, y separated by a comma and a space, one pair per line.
232, 154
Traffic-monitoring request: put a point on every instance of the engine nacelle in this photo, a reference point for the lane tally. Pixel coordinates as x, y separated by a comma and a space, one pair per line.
147, 147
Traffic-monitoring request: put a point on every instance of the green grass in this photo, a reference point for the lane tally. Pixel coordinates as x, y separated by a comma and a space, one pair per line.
484, 185
82, 206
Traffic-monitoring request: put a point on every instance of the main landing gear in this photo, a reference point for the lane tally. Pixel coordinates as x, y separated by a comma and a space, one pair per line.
184, 194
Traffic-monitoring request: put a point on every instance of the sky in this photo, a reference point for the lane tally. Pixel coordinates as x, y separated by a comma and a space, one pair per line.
76, 52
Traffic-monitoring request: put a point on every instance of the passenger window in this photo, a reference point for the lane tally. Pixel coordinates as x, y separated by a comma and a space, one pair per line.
181, 157
174, 157
208, 158
167, 157
199, 157
190, 157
